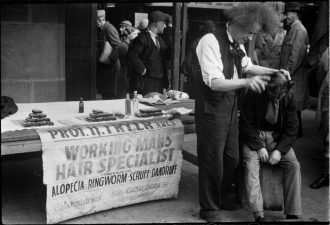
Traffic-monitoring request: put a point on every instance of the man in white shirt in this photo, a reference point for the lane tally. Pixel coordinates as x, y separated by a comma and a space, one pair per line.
222, 59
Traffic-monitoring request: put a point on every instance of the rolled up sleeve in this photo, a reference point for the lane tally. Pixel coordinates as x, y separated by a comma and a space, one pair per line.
209, 57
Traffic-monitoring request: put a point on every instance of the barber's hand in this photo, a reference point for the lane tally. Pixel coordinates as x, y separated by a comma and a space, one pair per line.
285, 73
263, 155
144, 72
275, 157
257, 83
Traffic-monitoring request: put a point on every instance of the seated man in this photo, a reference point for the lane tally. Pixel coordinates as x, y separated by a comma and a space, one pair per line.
269, 126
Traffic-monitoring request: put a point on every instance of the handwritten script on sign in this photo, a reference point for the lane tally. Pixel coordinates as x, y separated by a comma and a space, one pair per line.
89, 168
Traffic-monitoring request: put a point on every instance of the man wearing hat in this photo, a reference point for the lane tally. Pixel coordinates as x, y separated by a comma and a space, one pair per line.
146, 57
293, 53
268, 127
107, 73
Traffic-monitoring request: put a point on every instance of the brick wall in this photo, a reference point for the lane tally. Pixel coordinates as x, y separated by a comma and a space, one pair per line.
33, 52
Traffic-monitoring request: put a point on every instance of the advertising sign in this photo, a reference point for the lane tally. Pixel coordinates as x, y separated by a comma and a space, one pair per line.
88, 168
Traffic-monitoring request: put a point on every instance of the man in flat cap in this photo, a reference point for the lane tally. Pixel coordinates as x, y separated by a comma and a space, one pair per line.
293, 53
146, 57
268, 127
107, 73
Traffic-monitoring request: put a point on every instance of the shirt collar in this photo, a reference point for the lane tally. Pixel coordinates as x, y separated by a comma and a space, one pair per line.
152, 34
229, 35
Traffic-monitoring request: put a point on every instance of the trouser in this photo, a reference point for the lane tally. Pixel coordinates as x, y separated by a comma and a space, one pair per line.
291, 177
217, 149
107, 78
324, 131
152, 85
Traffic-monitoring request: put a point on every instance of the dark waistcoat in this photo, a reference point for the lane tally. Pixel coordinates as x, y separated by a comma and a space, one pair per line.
217, 103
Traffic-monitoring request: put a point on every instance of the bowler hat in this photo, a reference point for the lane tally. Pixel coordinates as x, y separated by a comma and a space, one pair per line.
292, 7
157, 16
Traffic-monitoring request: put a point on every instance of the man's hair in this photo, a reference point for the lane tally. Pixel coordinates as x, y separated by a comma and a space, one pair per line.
248, 13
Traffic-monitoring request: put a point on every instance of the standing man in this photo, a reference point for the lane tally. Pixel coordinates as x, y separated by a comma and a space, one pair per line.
219, 60
107, 73
147, 55
294, 51
168, 39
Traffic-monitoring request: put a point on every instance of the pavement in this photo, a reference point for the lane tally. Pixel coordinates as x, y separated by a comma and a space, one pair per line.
23, 193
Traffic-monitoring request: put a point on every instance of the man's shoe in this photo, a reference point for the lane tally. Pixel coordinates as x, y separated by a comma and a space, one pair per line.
210, 216
260, 219
292, 217
322, 181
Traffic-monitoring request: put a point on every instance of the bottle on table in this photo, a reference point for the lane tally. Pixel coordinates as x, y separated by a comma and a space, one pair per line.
128, 105
135, 103
81, 106
165, 93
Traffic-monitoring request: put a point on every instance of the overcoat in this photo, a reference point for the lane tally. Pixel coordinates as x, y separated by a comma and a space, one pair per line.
294, 51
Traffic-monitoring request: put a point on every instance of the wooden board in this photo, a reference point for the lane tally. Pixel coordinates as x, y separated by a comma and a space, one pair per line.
271, 187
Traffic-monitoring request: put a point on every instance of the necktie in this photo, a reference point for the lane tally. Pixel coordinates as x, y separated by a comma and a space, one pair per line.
272, 111
157, 42
236, 51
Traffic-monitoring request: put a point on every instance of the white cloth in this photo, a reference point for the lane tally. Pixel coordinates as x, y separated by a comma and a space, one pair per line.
209, 57
64, 113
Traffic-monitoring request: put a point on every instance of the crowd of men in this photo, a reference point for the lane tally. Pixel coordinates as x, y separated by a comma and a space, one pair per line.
269, 89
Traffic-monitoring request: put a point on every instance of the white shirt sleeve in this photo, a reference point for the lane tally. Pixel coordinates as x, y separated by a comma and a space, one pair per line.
246, 61
209, 57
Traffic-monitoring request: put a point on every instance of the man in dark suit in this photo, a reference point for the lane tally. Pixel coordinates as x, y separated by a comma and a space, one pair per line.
146, 57
168, 39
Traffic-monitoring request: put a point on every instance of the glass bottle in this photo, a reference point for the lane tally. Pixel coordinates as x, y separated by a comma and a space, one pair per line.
135, 103
128, 105
81, 106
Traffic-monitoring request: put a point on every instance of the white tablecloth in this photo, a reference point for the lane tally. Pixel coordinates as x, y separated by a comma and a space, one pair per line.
63, 113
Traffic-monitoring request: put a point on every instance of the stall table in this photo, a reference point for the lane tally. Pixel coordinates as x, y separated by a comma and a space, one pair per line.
20, 140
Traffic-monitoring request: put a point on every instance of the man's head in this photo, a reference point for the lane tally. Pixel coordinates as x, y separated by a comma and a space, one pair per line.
143, 24
124, 26
100, 18
291, 11
157, 21
278, 86
248, 18
278, 8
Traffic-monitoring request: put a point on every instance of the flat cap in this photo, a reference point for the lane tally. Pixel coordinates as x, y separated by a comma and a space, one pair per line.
158, 16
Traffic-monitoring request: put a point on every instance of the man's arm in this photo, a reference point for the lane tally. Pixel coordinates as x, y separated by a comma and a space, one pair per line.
256, 83
112, 36
260, 70
134, 52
